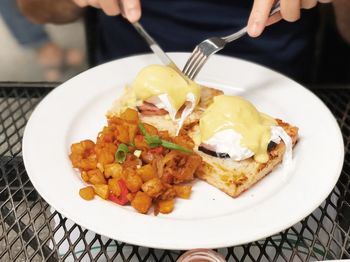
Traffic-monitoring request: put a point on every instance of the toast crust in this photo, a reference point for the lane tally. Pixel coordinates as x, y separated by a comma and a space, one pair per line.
235, 177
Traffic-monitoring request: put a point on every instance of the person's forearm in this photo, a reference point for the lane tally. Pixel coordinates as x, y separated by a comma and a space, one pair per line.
342, 13
50, 11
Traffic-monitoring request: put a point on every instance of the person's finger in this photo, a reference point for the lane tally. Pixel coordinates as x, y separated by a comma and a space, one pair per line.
274, 19
308, 4
290, 10
110, 7
81, 3
132, 10
258, 17
94, 3
325, 1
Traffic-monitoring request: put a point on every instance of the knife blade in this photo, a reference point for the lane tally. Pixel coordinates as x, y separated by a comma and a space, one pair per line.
157, 49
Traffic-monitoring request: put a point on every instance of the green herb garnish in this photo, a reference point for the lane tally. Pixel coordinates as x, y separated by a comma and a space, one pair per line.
155, 141
121, 153
174, 146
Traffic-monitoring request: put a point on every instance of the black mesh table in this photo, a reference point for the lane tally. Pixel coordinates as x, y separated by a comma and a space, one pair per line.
30, 230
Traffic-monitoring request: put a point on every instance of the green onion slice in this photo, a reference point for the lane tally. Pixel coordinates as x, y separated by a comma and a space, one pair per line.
155, 141
143, 129
173, 146
121, 153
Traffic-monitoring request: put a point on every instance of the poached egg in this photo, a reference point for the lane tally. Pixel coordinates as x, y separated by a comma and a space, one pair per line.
163, 87
233, 126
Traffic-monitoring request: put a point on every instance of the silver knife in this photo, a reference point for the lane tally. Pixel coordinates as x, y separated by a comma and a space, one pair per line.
157, 49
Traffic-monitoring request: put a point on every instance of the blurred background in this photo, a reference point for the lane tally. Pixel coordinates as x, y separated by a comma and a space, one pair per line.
60, 51
59, 57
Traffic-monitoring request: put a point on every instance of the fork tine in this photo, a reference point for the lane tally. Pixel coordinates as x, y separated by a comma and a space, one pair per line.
194, 63
197, 66
191, 60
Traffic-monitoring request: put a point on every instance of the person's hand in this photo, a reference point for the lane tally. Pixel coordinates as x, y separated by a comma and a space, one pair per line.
290, 11
131, 8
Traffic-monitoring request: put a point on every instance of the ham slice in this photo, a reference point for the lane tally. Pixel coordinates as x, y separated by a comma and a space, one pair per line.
149, 109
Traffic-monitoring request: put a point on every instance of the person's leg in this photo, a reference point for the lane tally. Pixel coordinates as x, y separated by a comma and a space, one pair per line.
25, 32
33, 36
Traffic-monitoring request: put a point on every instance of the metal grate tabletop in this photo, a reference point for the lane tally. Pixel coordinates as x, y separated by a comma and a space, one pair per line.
30, 230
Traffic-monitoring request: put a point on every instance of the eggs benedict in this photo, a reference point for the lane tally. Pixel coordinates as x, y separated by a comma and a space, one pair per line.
240, 145
232, 127
159, 90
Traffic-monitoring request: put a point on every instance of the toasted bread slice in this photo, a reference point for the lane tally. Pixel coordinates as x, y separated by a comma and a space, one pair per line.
164, 122
235, 177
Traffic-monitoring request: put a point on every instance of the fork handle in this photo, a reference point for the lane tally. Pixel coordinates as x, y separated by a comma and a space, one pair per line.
276, 8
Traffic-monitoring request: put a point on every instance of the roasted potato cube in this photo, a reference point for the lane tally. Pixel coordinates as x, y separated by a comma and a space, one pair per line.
153, 187
132, 129
77, 148
140, 142
130, 115
96, 177
114, 187
183, 191
86, 164
115, 121
87, 193
168, 194
133, 182
105, 157
165, 206
164, 135
85, 176
102, 191
130, 196
123, 133
150, 129
141, 202
146, 172
113, 170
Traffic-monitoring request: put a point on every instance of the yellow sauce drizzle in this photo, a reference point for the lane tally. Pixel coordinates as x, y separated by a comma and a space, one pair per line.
155, 80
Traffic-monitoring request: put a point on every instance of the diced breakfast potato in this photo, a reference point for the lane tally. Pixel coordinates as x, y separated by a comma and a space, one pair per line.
150, 129
132, 130
153, 187
141, 202
114, 187
183, 191
105, 157
146, 172
133, 182
165, 206
147, 176
123, 133
84, 176
113, 170
96, 177
87, 193
140, 142
102, 191
168, 194
86, 164
130, 115
130, 196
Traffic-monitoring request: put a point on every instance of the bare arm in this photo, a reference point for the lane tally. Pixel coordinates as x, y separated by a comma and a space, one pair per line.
342, 13
49, 11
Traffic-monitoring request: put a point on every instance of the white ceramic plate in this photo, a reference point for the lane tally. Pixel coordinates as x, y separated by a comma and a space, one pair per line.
76, 110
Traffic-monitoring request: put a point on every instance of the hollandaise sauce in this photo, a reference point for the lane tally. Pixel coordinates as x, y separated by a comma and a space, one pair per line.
234, 112
155, 80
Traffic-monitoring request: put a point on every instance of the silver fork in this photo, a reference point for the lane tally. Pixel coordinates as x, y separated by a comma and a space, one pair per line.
210, 46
